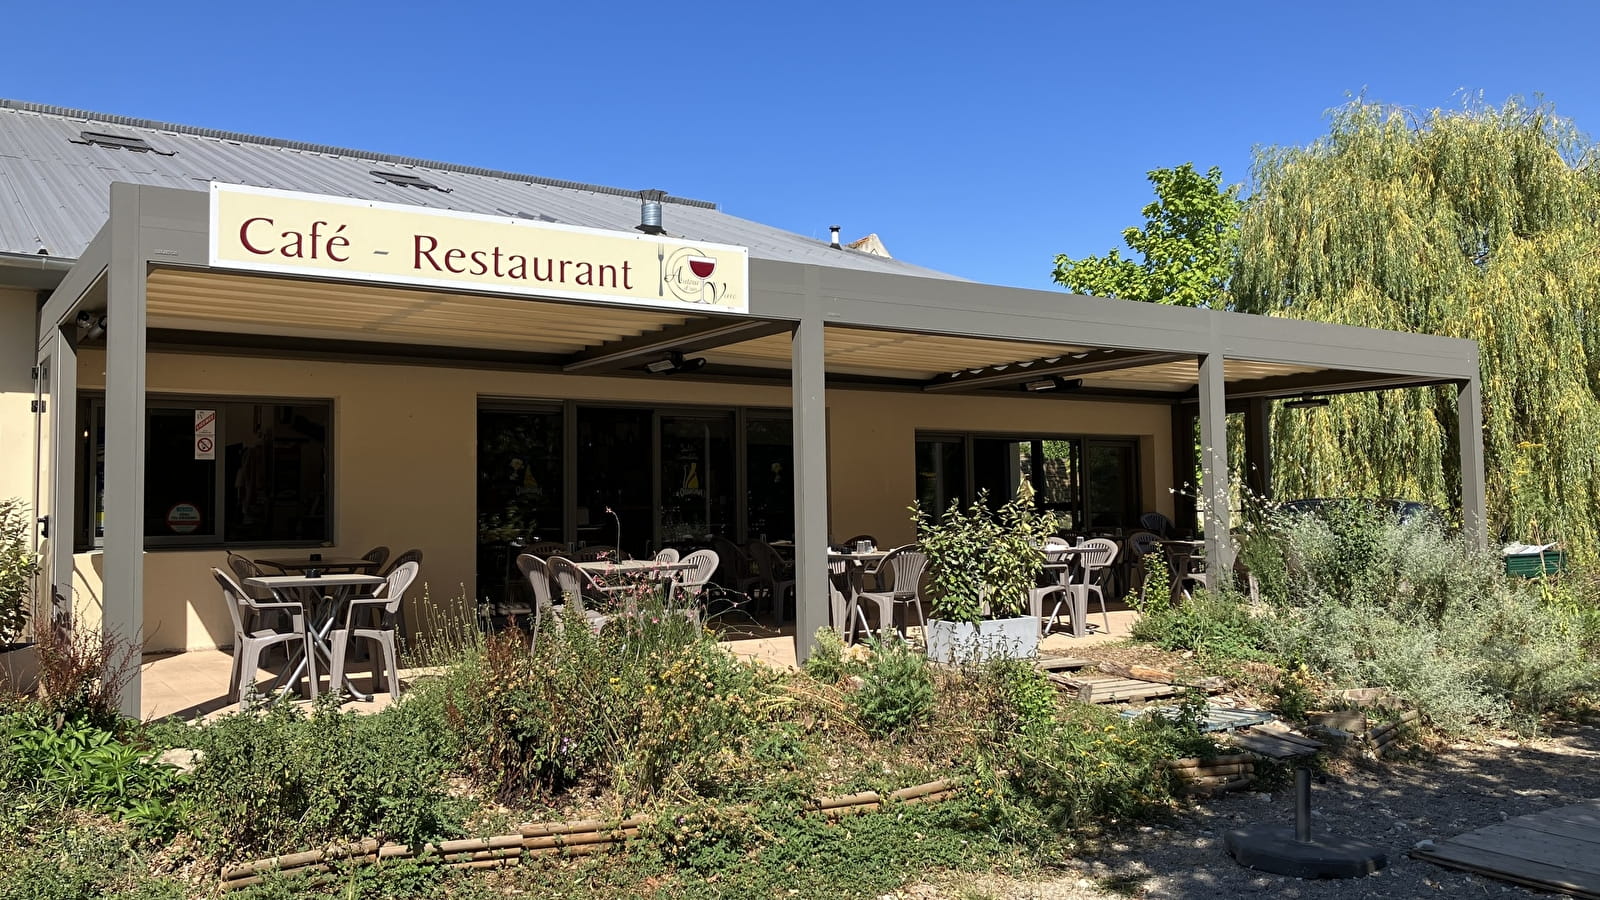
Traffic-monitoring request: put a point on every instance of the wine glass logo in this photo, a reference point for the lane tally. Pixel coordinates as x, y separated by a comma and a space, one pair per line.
686, 274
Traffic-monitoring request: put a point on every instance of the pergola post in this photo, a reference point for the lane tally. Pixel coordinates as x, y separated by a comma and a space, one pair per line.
810, 429
1258, 446
1469, 435
123, 576
1214, 468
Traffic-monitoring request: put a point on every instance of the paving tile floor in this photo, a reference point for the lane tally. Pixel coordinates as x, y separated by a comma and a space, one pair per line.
195, 683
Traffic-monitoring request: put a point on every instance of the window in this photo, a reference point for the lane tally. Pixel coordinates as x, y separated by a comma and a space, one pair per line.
404, 180
118, 142
1089, 482
941, 473
230, 471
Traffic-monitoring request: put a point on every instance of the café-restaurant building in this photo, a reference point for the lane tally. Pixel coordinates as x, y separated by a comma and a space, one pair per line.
218, 342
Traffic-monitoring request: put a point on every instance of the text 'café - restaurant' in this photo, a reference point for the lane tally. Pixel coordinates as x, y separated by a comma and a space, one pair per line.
242, 343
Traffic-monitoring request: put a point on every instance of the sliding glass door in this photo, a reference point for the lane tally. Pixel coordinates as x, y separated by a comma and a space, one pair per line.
629, 477
520, 496
615, 449
698, 486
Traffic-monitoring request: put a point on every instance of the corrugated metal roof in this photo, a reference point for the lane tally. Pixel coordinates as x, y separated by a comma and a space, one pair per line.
55, 194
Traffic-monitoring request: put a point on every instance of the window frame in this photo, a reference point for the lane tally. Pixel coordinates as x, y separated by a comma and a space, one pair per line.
1079, 507
92, 402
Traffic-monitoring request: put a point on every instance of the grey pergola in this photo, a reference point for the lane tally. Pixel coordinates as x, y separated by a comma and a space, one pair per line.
157, 228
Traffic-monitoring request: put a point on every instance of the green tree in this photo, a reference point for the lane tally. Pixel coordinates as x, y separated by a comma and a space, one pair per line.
1481, 223
1187, 244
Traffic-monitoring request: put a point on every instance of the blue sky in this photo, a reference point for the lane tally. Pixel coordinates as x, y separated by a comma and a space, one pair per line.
979, 139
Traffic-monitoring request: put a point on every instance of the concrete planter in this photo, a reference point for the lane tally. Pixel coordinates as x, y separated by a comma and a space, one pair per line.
1014, 638
19, 668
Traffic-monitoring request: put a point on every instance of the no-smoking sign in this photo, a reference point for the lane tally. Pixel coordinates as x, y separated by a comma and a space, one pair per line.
205, 434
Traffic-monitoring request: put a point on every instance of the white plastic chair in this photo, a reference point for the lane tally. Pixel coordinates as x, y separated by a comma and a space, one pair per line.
690, 584
844, 583
386, 601
575, 584
901, 571
1094, 558
252, 635
537, 571
776, 577
1053, 553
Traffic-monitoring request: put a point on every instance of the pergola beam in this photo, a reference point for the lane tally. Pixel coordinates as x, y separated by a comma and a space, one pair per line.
1070, 364
689, 337
1324, 382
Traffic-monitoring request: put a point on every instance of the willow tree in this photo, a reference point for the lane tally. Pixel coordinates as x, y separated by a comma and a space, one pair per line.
1481, 223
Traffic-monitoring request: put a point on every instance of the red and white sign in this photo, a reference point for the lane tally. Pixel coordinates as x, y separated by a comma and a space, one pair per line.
183, 518
205, 434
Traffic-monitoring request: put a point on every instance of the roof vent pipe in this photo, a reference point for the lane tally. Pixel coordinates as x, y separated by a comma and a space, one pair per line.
833, 240
650, 212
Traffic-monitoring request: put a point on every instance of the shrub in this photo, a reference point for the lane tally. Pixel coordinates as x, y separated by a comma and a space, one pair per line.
827, 661
982, 561
267, 781
82, 673
1001, 696
17, 568
694, 723
78, 863
650, 702
1211, 623
59, 765
896, 692
1365, 600
1088, 769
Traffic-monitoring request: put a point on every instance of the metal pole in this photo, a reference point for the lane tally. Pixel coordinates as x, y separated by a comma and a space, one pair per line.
1469, 429
1302, 805
1214, 470
810, 483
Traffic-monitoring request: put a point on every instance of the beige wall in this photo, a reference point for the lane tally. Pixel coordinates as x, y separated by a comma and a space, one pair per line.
18, 329
404, 468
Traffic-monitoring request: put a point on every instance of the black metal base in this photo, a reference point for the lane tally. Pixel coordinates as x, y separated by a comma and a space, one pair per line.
1273, 848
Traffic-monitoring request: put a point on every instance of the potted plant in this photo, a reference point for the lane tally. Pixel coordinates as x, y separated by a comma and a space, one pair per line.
19, 661
981, 565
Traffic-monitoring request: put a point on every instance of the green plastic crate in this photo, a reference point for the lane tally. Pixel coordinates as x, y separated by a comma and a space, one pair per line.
1551, 562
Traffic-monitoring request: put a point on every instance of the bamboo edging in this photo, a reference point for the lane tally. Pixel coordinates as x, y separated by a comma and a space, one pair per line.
575, 838
1389, 734
1213, 775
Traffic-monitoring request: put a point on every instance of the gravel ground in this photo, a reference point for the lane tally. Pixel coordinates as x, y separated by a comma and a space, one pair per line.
1393, 804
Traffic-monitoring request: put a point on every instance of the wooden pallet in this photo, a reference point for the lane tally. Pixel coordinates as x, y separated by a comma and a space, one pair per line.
1276, 740
1107, 689
1062, 663
1555, 850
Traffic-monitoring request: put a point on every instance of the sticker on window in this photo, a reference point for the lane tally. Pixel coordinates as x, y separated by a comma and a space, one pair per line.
183, 518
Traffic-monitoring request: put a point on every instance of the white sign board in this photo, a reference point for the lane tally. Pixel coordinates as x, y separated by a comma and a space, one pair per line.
205, 434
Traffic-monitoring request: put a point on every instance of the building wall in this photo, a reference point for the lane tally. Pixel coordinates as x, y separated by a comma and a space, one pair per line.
18, 327
404, 460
